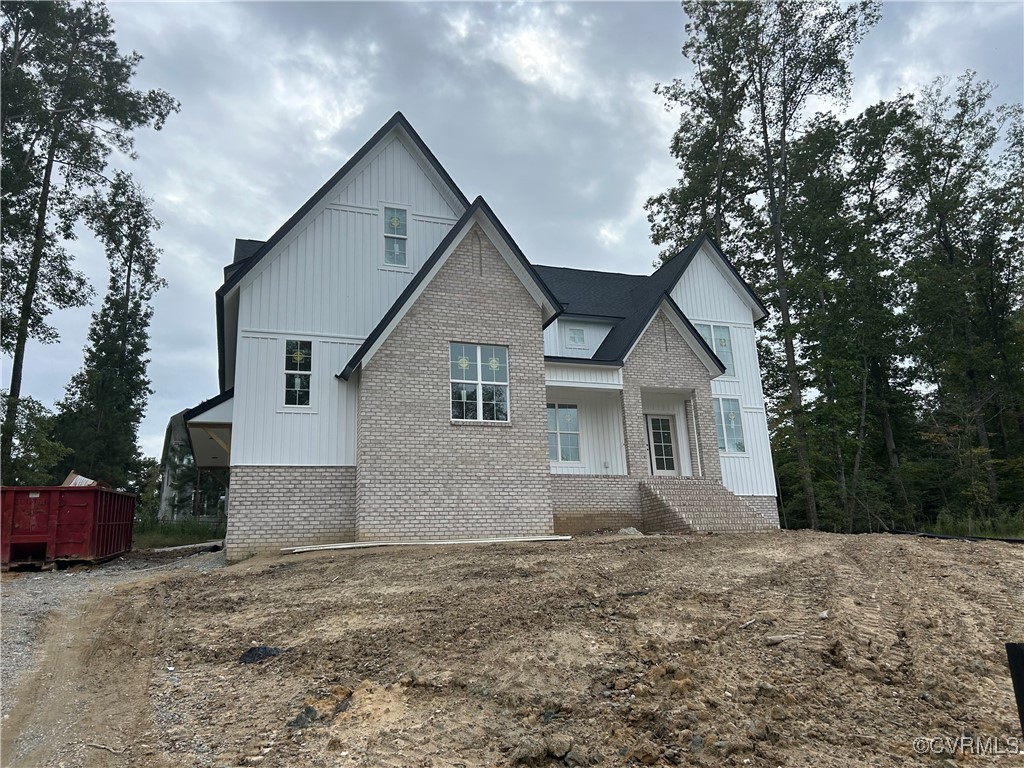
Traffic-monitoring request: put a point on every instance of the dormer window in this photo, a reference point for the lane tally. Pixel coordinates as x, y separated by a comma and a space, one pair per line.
396, 234
576, 338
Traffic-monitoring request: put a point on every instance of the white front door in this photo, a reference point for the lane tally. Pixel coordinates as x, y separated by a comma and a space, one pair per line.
662, 443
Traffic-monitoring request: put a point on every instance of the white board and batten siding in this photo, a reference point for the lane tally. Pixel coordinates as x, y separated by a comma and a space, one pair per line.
602, 446
584, 376
266, 431
326, 282
558, 343
707, 295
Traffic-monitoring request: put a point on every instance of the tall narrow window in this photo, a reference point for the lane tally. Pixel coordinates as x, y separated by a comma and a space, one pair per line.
563, 433
298, 371
396, 235
719, 338
479, 379
728, 424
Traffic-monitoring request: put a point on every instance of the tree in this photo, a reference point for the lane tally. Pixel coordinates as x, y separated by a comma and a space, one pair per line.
67, 104
35, 453
968, 274
99, 418
788, 53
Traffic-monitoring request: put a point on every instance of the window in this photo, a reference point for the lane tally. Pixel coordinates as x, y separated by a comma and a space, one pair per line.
396, 234
719, 338
728, 424
298, 372
563, 433
576, 337
479, 378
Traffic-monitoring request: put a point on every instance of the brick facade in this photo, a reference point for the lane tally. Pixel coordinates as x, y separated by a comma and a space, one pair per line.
662, 360
594, 502
423, 476
766, 506
270, 507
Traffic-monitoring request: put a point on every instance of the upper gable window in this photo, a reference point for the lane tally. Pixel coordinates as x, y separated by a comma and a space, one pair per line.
576, 337
396, 235
719, 338
479, 382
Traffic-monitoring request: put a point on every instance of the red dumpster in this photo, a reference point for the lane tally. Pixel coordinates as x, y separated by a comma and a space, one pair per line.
43, 523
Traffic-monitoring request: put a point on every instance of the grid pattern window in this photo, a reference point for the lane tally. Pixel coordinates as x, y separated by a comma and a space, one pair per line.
719, 338
396, 235
298, 372
728, 424
576, 337
563, 433
479, 379
663, 448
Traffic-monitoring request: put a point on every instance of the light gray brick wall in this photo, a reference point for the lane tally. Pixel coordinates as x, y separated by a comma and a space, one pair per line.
270, 507
422, 476
594, 502
662, 360
767, 506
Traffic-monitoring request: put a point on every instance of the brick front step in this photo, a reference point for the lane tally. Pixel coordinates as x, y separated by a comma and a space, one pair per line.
680, 505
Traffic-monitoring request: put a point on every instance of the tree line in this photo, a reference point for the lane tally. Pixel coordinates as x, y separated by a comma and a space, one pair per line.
68, 111
888, 246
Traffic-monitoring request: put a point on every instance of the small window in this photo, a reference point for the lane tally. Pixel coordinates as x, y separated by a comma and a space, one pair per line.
563, 433
396, 235
719, 338
728, 424
576, 337
298, 372
479, 382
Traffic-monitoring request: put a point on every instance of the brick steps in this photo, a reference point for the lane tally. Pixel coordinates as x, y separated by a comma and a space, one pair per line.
683, 505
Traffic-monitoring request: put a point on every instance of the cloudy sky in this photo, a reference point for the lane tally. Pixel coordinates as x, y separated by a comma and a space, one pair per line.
544, 109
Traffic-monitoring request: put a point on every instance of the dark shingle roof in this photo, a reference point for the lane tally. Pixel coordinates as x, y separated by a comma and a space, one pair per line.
585, 292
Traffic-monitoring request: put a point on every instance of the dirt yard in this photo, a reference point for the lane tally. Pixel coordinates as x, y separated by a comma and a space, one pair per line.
789, 649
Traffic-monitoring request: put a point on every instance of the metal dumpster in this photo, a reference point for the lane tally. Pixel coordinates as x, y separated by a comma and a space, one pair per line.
43, 524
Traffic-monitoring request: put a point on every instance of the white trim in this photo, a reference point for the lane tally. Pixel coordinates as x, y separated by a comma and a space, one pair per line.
314, 399
350, 208
383, 205
257, 333
222, 413
674, 434
430, 219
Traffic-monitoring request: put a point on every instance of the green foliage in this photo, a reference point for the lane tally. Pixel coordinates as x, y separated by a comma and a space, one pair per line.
35, 454
888, 247
152, 535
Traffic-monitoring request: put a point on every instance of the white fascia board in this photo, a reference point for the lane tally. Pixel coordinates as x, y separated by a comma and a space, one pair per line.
221, 413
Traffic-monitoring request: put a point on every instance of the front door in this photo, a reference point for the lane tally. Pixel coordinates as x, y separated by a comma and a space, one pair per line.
661, 439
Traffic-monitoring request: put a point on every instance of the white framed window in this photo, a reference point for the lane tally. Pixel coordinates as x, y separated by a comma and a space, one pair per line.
479, 382
396, 236
298, 373
719, 338
576, 338
563, 433
728, 424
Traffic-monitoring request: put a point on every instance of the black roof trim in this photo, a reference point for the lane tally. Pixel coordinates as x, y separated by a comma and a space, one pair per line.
478, 205
206, 405
398, 119
579, 361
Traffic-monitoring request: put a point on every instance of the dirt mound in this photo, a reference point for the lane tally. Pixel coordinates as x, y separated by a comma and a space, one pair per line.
775, 649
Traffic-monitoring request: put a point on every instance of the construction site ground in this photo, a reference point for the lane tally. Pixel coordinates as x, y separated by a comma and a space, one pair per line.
783, 649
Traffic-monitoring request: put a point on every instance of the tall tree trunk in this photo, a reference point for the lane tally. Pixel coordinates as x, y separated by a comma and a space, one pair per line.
983, 443
21, 338
860, 442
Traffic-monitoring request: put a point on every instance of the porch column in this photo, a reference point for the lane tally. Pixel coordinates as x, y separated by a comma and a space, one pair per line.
638, 462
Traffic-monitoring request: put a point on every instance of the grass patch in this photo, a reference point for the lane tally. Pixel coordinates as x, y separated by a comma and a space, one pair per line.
177, 533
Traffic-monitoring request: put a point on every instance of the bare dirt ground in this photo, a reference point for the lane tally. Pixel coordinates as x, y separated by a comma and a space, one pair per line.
601, 651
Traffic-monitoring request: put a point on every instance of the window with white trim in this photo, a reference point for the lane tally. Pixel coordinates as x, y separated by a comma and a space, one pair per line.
298, 372
576, 337
563, 433
479, 379
719, 338
728, 424
396, 236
